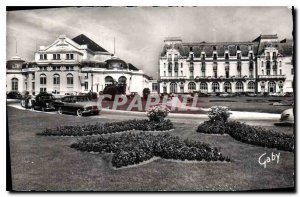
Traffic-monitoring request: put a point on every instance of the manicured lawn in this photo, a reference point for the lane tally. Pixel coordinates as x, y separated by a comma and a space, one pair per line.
48, 163
243, 103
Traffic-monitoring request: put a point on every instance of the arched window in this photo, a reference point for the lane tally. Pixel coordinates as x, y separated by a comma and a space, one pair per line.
227, 86
251, 86
203, 87
14, 84
191, 86
239, 87
70, 79
56, 79
43, 79
122, 80
215, 87
173, 88
272, 87
109, 81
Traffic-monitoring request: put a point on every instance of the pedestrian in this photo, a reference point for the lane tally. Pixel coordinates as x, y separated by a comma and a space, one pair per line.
27, 97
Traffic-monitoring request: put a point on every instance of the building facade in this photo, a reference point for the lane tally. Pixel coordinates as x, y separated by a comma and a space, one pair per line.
263, 65
73, 66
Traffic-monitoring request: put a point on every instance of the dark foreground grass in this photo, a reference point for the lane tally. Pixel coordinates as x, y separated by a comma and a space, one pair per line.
48, 163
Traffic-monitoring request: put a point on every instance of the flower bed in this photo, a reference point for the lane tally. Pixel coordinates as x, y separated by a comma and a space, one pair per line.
249, 134
129, 149
114, 127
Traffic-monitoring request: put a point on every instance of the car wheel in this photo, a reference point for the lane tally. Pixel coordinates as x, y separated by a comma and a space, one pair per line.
59, 110
79, 112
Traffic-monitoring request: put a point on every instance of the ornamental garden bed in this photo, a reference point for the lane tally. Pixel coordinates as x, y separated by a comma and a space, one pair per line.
106, 128
218, 124
134, 148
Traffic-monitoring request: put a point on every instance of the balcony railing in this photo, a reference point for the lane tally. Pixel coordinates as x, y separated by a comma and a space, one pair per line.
173, 77
271, 76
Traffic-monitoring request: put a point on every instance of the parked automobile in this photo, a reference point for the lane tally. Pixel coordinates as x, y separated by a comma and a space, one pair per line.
30, 99
286, 118
43, 101
79, 105
14, 95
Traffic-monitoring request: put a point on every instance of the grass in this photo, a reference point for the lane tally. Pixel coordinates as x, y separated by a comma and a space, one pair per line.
48, 163
244, 103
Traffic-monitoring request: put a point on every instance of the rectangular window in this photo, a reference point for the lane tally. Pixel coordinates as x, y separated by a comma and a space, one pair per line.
45, 56
43, 90
268, 72
154, 87
262, 64
280, 71
41, 56
33, 86
191, 74
67, 56
176, 74
181, 65
170, 74
71, 56
181, 73
181, 89
54, 56
176, 57
58, 56
164, 73
203, 73
86, 85
251, 74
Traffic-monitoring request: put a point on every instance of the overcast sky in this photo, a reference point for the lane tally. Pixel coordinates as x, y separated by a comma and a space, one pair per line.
140, 31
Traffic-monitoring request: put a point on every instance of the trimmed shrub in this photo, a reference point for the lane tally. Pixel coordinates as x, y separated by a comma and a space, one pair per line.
129, 149
219, 113
114, 127
249, 134
157, 113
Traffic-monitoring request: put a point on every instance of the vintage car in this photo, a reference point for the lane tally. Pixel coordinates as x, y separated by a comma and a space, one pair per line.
287, 118
43, 101
79, 105
30, 100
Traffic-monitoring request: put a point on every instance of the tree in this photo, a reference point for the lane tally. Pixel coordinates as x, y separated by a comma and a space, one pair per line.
146, 92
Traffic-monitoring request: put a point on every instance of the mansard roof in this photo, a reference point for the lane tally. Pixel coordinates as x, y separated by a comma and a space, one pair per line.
285, 47
84, 40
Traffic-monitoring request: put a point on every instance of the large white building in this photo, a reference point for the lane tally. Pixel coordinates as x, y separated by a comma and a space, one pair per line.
263, 65
77, 65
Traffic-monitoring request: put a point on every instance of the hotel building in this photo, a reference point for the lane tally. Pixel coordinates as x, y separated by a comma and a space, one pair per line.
262, 65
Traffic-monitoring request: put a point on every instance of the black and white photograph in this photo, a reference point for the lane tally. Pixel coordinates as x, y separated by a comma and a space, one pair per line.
150, 99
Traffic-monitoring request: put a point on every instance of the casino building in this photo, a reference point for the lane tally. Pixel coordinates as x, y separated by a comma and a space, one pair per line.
262, 65
73, 66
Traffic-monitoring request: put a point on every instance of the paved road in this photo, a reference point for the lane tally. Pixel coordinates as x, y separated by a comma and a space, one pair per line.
117, 115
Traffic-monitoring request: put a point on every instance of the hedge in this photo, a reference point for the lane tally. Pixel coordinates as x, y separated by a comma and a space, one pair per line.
129, 149
248, 134
114, 127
